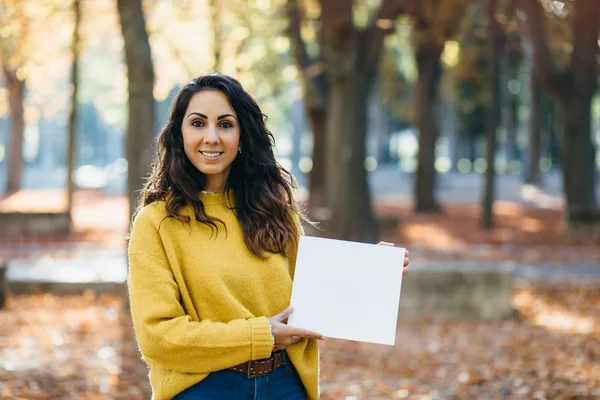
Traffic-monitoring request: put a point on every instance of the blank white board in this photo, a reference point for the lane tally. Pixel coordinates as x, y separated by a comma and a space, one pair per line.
347, 290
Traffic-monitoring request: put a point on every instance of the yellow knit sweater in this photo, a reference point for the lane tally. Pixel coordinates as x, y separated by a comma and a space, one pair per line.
200, 300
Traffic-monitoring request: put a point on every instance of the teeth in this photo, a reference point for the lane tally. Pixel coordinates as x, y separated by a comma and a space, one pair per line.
210, 154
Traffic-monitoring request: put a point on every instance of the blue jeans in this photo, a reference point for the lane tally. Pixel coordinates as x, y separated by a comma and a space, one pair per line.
281, 384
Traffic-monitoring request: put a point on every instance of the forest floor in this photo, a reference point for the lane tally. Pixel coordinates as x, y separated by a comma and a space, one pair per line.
82, 346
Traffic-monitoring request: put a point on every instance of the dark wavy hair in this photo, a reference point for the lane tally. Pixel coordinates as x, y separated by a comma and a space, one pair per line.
262, 189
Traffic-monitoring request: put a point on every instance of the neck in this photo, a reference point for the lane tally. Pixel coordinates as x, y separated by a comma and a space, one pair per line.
214, 187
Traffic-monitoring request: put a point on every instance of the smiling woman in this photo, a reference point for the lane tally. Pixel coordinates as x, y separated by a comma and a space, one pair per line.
211, 137
209, 308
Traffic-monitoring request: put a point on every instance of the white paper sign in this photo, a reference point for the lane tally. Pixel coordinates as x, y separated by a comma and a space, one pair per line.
347, 290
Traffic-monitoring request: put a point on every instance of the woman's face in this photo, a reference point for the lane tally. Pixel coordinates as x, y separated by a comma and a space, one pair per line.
211, 136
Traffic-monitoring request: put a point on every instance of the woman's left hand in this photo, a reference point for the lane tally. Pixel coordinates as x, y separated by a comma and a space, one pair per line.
406, 260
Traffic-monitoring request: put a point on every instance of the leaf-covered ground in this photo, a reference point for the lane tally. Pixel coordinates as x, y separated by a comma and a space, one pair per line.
82, 347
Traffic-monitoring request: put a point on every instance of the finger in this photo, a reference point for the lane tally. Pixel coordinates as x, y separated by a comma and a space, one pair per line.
293, 331
404, 271
385, 244
406, 261
310, 334
284, 314
406, 253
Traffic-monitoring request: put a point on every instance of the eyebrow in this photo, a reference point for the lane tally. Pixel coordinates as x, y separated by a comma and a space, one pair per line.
220, 117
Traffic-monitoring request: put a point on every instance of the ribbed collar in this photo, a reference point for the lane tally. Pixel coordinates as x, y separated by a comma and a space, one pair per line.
225, 198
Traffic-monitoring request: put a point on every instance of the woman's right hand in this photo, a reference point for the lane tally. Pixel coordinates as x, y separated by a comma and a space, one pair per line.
286, 335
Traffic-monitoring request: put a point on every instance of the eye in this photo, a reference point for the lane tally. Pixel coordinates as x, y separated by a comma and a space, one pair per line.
226, 125
197, 123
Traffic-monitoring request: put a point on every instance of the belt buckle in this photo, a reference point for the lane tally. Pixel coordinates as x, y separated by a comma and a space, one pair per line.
250, 373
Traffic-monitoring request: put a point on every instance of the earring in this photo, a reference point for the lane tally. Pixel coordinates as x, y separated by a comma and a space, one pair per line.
240, 149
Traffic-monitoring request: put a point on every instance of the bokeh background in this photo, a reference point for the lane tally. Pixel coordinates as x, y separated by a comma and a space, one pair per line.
465, 131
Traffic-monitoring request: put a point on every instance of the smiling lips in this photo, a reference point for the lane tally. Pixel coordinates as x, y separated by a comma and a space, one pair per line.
211, 155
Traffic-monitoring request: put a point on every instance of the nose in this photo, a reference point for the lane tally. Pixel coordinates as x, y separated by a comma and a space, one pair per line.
212, 136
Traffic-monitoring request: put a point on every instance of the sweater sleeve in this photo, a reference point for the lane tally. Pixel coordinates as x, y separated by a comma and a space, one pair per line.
165, 333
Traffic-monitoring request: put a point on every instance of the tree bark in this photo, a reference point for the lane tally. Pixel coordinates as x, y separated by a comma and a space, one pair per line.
316, 93
510, 65
14, 156
3, 284
350, 58
510, 123
579, 172
348, 192
533, 175
552, 145
317, 117
72, 142
573, 89
140, 74
425, 90
494, 49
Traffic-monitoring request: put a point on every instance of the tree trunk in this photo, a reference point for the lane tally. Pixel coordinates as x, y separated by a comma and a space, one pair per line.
14, 156
72, 145
513, 152
317, 117
549, 125
533, 175
509, 110
347, 194
140, 74
429, 71
578, 166
346, 65
298, 123
316, 94
573, 88
3, 285
494, 48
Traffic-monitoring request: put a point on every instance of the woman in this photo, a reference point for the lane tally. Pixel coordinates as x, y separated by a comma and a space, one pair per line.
212, 255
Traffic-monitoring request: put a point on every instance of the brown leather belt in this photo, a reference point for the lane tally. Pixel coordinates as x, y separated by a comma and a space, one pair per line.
254, 368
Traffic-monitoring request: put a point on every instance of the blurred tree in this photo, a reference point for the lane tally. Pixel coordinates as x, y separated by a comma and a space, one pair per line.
316, 93
493, 75
532, 170
470, 79
434, 22
399, 74
72, 143
14, 36
551, 146
573, 87
3, 284
140, 74
469, 75
337, 78
533, 174
510, 88
352, 58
